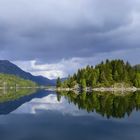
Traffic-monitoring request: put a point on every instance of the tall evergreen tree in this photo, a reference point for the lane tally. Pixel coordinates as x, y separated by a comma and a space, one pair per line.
83, 84
58, 82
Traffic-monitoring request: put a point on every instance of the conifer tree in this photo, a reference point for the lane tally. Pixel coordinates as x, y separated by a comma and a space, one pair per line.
58, 82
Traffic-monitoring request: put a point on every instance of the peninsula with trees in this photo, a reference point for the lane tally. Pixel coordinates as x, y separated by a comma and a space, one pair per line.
108, 75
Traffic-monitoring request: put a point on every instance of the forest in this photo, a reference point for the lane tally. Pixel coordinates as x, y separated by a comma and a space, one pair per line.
108, 73
8, 80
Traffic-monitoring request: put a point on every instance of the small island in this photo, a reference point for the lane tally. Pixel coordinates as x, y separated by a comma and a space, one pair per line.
111, 75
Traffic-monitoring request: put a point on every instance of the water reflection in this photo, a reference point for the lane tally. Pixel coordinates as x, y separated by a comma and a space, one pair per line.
12, 99
50, 103
106, 104
47, 115
13, 94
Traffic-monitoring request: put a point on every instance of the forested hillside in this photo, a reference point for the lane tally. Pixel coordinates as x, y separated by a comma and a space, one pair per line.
6, 67
105, 74
12, 81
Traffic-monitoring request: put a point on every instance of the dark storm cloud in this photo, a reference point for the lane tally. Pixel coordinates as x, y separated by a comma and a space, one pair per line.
50, 30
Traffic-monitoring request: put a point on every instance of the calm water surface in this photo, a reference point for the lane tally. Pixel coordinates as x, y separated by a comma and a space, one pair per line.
48, 115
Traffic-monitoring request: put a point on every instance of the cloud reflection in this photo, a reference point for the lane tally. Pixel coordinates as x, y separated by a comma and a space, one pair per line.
49, 103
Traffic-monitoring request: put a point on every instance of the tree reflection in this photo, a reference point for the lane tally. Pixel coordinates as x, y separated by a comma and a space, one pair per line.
13, 94
107, 104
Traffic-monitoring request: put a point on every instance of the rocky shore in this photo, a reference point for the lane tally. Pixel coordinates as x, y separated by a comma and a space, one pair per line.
101, 89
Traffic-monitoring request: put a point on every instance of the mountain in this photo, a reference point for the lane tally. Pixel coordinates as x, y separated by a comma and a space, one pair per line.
8, 80
6, 67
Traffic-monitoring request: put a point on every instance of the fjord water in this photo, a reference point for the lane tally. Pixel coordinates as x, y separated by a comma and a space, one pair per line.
46, 115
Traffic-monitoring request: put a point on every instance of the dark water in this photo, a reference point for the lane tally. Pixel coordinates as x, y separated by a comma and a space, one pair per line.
67, 116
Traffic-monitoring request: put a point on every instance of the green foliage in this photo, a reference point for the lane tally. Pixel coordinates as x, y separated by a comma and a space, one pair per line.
58, 82
13, 94
83, 83
107, 104
105, 74
71, 82
137, 67
13, 81
137, 80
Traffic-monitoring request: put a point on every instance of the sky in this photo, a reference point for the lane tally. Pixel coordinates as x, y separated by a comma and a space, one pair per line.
56, 37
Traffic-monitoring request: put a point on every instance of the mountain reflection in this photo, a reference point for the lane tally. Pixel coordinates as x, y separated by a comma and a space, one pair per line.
106, 104
11, 99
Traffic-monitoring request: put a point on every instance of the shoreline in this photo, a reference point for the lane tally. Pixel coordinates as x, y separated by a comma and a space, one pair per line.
88, 89
101, 89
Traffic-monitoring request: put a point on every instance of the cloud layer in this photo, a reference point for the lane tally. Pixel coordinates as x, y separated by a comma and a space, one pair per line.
51, 31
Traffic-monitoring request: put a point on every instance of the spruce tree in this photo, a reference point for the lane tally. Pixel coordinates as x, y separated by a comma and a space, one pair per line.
83, 84
58, 82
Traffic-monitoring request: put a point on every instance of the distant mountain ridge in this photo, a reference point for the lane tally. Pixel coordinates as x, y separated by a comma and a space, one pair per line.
7, 67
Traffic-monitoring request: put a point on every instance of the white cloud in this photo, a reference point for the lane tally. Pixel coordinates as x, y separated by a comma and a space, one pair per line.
65, 67
51, 71
65, 35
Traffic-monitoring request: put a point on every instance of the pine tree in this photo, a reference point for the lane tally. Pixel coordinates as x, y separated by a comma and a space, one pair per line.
137, 80
116, 76
58, 82
83, 84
